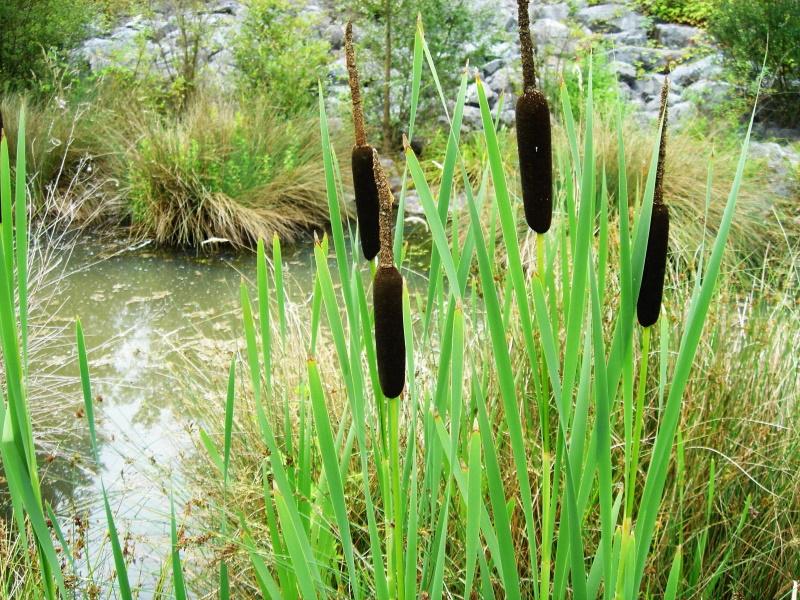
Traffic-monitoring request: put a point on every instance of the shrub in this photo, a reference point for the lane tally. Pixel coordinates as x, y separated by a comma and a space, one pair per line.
694, 12
224, 171
747, 30
34, 29
277, 55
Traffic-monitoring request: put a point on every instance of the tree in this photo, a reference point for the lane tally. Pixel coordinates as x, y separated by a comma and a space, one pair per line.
455, 30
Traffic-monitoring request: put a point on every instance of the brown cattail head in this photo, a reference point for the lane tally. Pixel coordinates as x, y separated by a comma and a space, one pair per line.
535, 159
655, 263
390, 344
387, 297
526, 45
367, 204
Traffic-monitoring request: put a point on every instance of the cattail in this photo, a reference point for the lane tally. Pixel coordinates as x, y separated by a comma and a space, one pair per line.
387, 298
533, 136
366, 191
655, 261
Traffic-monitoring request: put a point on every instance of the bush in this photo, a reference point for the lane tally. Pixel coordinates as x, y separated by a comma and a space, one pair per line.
34, 29
277, 55
693, 12
223, 171
746, 30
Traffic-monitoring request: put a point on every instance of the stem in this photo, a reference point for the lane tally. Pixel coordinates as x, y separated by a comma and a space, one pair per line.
397, 535
637, 429
547, 536
387, 74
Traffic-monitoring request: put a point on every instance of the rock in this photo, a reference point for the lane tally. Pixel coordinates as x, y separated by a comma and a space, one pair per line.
472, 95
654, 105
413, 203
649, 86
676, 36
472, 118
557, 12
634, 37
681, 111
505, 80
611, 18
708, 92
704, 68
508, 116
492, 66
784, 162
625, 71
549, 32
649, 59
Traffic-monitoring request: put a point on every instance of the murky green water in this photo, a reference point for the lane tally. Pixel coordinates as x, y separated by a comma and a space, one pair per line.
157, 324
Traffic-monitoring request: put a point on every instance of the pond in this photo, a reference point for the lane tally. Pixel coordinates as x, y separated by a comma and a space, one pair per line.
158, 324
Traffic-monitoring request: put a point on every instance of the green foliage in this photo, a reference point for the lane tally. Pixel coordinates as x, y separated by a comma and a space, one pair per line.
576, 78
693, 12
34, 32
455, 32
278, 55
749, 30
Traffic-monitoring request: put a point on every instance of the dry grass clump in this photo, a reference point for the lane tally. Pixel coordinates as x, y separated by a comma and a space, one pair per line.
226, 172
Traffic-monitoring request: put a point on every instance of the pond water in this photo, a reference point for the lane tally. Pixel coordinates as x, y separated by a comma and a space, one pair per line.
144, 312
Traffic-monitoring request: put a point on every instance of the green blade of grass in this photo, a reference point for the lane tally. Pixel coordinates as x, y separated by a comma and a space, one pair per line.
330, 463
178, 583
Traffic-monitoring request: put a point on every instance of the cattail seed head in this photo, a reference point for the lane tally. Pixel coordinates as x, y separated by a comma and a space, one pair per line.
390, 343
364, 187
367, 204
535, 159
649, 304
533, 135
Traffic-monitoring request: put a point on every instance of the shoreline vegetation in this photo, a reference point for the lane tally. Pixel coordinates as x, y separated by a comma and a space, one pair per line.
603, 404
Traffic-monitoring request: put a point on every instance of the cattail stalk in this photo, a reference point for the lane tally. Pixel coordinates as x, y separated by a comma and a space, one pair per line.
390, 348
355, 87
658, 195
362, 160
534, 143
